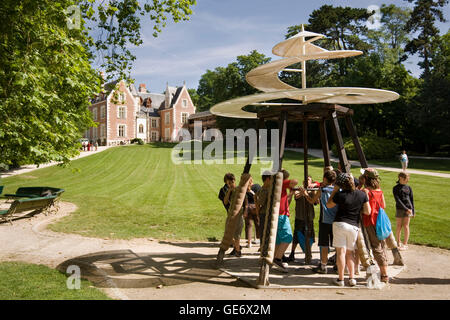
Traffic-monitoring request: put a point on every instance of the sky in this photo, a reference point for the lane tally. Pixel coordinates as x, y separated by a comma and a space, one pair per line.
220, 30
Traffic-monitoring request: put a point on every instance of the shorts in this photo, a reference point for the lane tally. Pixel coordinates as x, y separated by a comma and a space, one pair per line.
284, 231
325, 235
401, 213
345, 235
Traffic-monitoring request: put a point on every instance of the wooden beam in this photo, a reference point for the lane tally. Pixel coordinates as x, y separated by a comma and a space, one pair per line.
324, 142
356, 143
283, 129
345, 165
305, 152
252, 152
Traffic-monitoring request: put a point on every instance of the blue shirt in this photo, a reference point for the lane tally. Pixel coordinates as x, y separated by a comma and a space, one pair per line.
328, 214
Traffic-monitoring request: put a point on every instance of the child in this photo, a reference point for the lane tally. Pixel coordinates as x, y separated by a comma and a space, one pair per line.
404, 203
304, 220
261, 202
326, 219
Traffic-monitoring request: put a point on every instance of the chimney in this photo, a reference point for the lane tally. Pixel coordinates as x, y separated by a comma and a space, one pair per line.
142, 88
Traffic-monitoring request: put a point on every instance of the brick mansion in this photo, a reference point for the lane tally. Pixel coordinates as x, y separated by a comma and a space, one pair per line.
123, 113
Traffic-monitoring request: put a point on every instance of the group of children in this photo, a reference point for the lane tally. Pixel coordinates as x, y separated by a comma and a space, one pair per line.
344, 203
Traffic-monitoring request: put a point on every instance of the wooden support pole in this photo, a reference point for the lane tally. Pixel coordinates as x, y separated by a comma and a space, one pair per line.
351, 129
345, 165
283, 129
252, 150
324, 141
305, 152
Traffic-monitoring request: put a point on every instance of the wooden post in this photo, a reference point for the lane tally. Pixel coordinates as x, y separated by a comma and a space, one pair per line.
356, 143
305, 152
252, 153
283, 128
324, 141
345, 166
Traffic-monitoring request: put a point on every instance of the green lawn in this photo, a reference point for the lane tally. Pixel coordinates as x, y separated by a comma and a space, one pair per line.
136, 191
433, 165
23, 281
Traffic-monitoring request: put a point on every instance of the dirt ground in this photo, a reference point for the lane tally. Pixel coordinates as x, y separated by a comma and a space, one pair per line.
154, 269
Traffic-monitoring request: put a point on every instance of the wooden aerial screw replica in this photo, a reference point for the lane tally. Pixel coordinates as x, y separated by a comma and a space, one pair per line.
310, 104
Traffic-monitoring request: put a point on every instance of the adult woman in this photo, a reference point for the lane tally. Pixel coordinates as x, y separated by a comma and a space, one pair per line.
404, 203
376, 200
351, 202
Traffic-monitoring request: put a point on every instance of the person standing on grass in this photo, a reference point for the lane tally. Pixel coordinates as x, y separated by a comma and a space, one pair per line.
376, 201
284, 231
404, 203
404, 160
351, 202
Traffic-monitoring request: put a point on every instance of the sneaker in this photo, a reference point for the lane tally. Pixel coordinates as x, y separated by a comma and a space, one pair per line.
339, 283
352, 282
249, 245
278, 264
320, 269
233, 252
285, 259
238, 254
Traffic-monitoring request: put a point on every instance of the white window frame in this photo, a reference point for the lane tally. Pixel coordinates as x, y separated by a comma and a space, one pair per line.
139, 128
102, 112
124, 130
167, 133
167, 118
124, 112
154, 135
94, 113
122, 97
102, 130
187, 117
156, 123
184, 103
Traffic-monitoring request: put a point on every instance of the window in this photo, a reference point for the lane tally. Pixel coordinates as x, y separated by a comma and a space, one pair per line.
154, 136
154, 123
102, 112
121, 113
167, 118
184, 103
121, 131
102, 130
122, 97
141, 128
94, 114
167, 134
184, 117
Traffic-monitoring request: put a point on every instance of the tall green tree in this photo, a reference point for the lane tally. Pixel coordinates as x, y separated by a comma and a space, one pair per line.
47, 48
422, 20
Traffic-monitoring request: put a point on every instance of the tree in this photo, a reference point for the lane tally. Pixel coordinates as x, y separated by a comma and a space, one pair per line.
46, 78
422, 20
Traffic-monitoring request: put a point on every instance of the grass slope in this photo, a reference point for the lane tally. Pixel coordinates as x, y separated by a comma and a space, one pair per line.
23, 281
136, 191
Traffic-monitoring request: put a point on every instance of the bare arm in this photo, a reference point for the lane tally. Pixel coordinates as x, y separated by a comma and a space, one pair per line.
330, 202
226, 200
366, 208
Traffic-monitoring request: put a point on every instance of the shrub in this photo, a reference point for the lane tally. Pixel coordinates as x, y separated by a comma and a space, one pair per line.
374, 147
137, 140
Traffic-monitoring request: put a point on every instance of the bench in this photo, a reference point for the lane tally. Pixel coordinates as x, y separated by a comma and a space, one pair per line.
34, 192
31, 205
